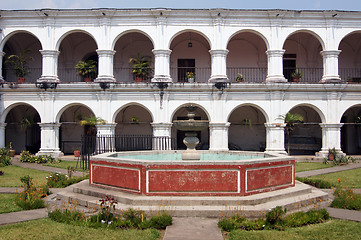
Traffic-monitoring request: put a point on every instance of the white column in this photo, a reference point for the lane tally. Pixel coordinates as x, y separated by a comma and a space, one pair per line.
162, 130
106, 130
105, 66
219, 66
275, 138
330, 66
275, 66
2, 134
2, 54
50, 139
331, 137
161, 65
50, 66
218, 136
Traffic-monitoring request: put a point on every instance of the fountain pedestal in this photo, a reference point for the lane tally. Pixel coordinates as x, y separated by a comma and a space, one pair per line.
191, 141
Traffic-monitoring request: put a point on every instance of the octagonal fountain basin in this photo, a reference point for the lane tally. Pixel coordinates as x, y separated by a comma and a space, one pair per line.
164, 173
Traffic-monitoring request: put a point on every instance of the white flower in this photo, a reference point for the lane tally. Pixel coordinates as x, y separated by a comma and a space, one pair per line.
46, 177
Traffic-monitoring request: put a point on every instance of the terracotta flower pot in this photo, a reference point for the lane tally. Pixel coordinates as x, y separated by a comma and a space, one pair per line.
21, 80
76, 153
138, 79
12, 153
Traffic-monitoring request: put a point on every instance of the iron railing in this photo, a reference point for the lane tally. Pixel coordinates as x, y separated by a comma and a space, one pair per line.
33, 75
309, 75
125, 75
92, 145
179, 74
250, 74
350, 74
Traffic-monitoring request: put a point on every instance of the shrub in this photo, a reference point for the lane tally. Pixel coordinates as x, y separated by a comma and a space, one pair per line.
299, 219
31, 197
346, 198
108, 205
61, 181
5, 159
231, 223
161, 221
275, 215
319, 183
26, 156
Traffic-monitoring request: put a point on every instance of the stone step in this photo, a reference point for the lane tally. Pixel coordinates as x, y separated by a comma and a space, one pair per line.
139, 200
308, 199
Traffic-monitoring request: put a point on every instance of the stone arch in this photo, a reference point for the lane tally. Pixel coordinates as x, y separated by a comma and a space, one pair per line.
62, 37
247, 56
349, 58
190, 103
265, 40
70, 131
302, 53
131, 31
305, 138
133, 119
22, 128
128, 45
190, 30
12, 33
351, 130
190, 53
247, 120
180, 113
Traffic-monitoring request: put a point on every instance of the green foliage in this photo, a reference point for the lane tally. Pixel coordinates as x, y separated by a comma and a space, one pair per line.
346, 198
26, 156
161, 221
31, 197
274, 220
92, 121
108, 205
7, 203
5, 159
275, 215
61, 181
66, 216
86, 68
319, 183
19, 63
141, 66
296, 74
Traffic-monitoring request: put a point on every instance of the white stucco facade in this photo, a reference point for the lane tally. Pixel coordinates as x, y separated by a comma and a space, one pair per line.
256, 43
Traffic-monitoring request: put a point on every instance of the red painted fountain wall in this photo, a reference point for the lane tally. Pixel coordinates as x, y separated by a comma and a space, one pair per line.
198, 179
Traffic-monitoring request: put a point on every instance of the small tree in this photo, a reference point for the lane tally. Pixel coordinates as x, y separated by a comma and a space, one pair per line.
141, 66
19, 63
290, 120
86, 68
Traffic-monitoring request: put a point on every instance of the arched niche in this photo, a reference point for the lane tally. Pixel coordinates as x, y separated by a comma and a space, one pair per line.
247, 130
349, 60
351, 131
190, 54
22, 129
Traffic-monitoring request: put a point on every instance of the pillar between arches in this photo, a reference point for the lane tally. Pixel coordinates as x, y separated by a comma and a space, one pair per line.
275, 138
50, 66
162, 130
330, 66
331, 138
2, 134
218, 136
161, 65
2, 54
219, 66
275, 66
105, 68
50, 139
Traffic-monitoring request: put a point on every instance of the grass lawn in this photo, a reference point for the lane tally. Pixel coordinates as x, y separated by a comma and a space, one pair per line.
12, 174
334, 229
349, 178
308, 166
7, 203
48, 229
65, 165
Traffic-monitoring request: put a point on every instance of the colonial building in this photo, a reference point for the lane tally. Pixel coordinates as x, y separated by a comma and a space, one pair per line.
236, 66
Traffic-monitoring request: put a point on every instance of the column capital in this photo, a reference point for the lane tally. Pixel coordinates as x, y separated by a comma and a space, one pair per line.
101, 52
3, 125
49, 126
162, 52
330, 53
215, 125
219, 52
275, 52
50, 53
2, 53
275, 125
335, 126
106, 125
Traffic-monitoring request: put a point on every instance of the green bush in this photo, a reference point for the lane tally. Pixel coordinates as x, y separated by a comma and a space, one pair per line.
274, 220
346, 198
26, 156
61, 181
319, 183
161, 221
5, 159
31, 197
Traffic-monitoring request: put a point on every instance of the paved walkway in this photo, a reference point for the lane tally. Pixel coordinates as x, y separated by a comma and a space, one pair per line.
182, 228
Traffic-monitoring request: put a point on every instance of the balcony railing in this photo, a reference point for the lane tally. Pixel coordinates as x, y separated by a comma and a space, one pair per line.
309, 75
33, 75
180, 74
251, 75
125, 75
350, 74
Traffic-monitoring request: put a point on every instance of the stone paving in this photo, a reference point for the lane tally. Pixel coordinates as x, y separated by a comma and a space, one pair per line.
182, 228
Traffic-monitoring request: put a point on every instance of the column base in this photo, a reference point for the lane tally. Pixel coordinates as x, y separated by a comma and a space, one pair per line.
161, 78
330, 79
276, 79
107, 79
276, 151
52, 79
56, 153
324, 153
218, 78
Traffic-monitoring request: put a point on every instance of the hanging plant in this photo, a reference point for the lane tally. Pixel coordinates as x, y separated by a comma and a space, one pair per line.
26, 122
92, 121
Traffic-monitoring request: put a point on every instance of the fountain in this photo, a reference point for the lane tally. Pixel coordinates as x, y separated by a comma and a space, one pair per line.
191, 140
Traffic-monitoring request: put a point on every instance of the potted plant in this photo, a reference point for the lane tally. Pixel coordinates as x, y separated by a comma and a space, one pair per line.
11, 150
86, 69
19, 64
239, 78
134, 119
191, 76
297, 75
141, 68
332, 153
76, 152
